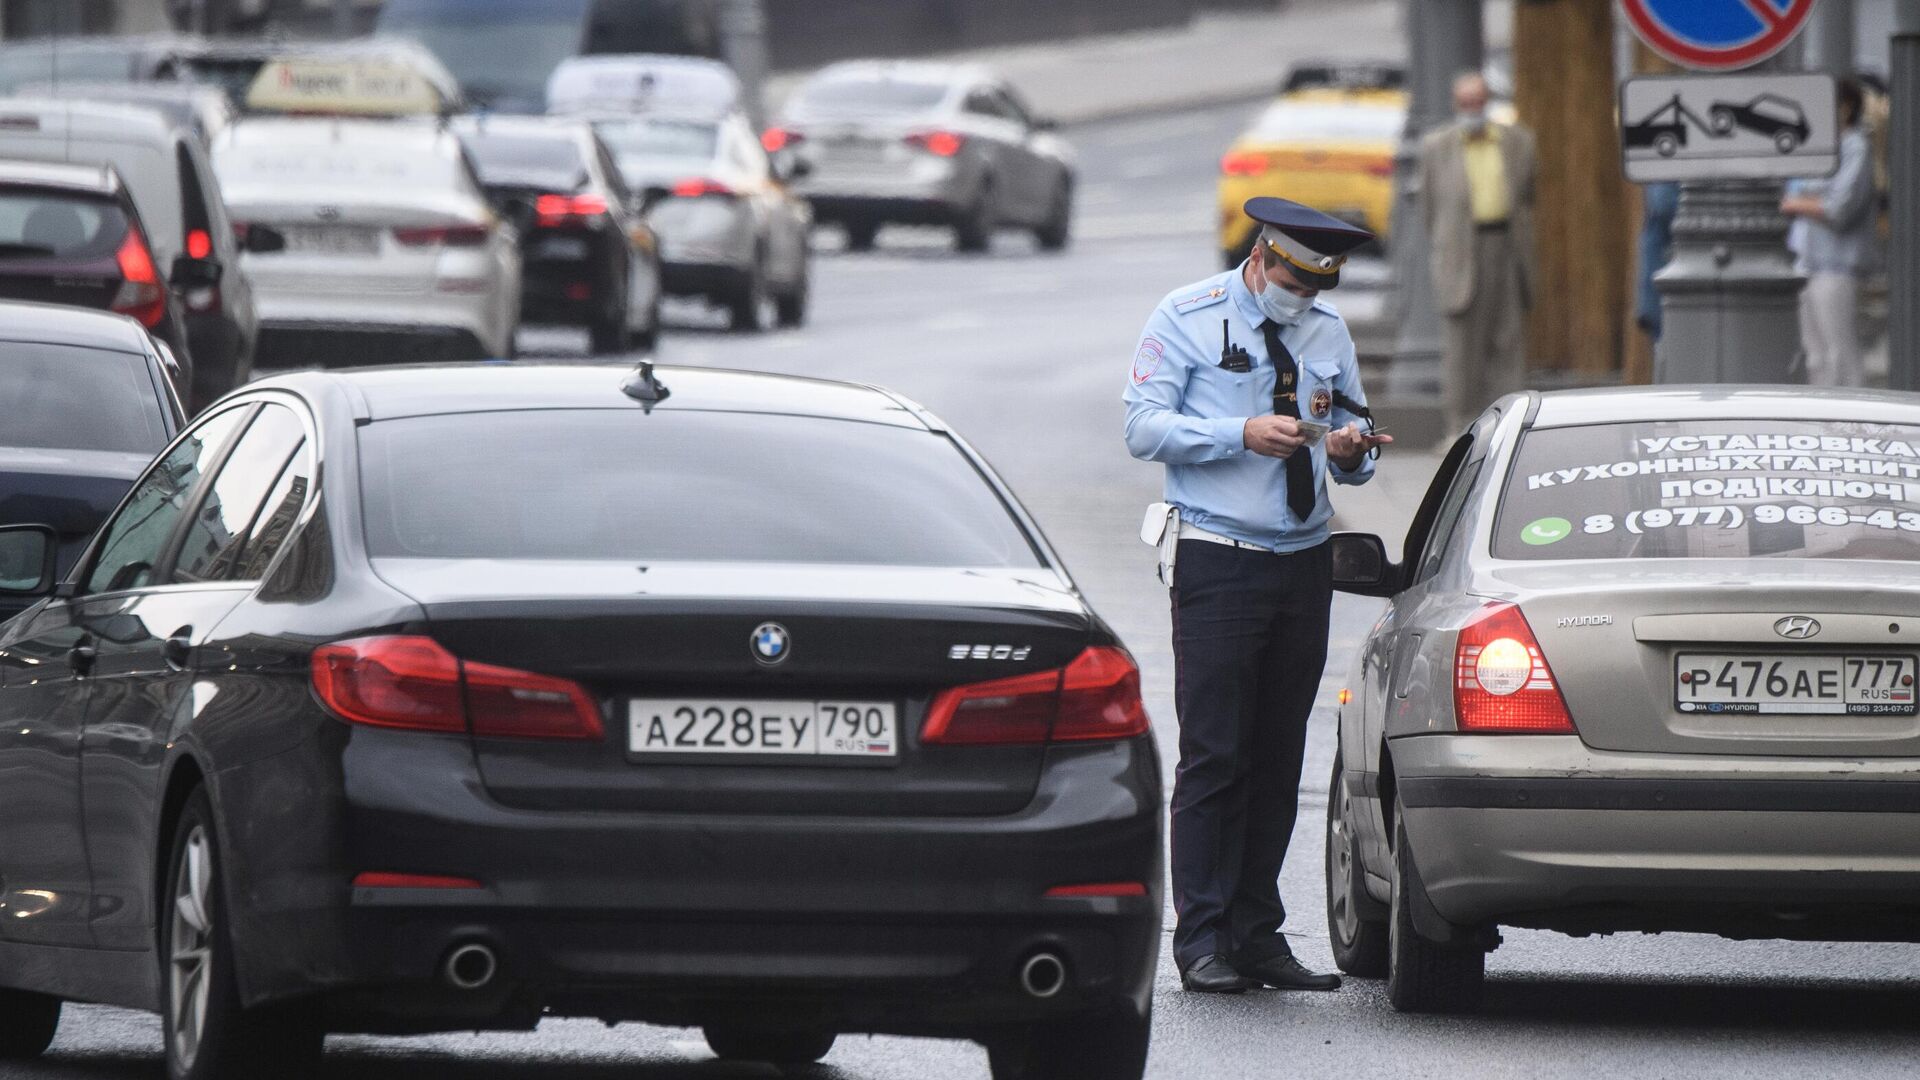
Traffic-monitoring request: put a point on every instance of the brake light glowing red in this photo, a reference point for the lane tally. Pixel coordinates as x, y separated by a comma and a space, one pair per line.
556, 210
199, 244
1097, 696
1243, 163
938, 143
376, 879
141, 293
694, 187
443, 235
1502, 683
414, 683
778, 139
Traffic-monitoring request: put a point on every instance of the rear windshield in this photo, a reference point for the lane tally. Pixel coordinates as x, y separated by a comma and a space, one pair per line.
362, 166
64, 398
660, 138
1289, 122
58, 224
871, 96
1714, 489
550, 159
725, 487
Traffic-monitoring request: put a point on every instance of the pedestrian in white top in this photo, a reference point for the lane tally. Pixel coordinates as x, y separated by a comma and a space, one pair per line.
1832, 238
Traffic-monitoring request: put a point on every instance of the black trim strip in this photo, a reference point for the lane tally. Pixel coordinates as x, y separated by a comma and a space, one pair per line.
1363, 784
1863, 796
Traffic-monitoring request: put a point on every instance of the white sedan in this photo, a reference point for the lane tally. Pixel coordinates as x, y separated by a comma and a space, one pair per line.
392, 251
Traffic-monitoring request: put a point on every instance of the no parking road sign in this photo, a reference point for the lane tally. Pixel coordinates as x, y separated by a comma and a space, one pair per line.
1717, 35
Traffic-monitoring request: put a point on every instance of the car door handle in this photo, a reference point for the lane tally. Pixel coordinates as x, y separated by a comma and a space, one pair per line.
178, 649
81, 657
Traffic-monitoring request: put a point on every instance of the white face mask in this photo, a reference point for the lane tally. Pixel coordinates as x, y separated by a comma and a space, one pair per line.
1278, 304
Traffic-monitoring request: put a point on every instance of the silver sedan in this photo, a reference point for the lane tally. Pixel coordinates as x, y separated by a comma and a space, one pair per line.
927, 144
1649, 665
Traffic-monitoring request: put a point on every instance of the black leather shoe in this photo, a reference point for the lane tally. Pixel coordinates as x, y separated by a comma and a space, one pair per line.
1213, 975
1286, 973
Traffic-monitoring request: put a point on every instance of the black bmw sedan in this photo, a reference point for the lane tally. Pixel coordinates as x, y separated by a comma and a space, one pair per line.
449, 698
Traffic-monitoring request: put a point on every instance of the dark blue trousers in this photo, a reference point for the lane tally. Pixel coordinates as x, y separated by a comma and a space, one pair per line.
1249, 646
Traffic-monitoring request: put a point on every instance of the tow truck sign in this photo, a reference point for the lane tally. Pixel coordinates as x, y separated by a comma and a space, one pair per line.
1716, 35
1728, 127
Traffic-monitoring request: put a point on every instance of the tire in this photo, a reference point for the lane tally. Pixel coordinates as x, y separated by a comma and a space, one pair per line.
775, 1047
208, 1035
1090, 1048
1423, 976
27, 1023
746, 308
861, 234
1054, 234
791, 310
609, 334
1356, 925
973, 233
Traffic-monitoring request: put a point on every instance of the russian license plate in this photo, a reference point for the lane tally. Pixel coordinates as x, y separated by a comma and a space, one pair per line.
332, 240
837, 729
1859, 685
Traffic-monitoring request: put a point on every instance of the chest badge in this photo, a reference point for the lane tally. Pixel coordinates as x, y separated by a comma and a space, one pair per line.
1321, 403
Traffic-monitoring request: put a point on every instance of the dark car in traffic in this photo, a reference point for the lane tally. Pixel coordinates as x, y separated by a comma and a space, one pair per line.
588, 257
450, 698
90, 399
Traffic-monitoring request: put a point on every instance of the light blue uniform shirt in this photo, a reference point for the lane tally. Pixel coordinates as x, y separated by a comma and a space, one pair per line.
1189, 413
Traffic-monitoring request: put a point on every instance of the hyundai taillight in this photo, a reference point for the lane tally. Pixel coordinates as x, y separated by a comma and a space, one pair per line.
1097, 696
414, 683
696, 186
778, 139
1501, 680
442, 235
1243, 163
141, 293
938, 143
556, 210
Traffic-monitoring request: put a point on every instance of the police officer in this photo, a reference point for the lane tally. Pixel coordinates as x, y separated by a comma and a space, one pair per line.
1246, 387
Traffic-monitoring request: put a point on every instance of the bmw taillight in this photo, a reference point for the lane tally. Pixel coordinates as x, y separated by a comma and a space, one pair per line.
1097, 696
938, 143
696, 186
552, 211
441, 235
1243, 163
1501, 681
141, 295
414, 683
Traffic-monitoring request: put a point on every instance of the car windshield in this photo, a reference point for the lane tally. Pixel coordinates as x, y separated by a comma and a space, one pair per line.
1794, 489
1293, 122
61, 397
679, 485
637, 140
870, 95
548, 160
501, 51
41, 223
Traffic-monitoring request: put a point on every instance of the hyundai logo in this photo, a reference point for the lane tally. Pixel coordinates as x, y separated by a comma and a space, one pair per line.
327, 213
1797, 627
770, 644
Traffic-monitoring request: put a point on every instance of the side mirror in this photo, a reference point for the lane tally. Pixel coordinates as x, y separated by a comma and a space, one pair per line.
191, 273
261, 240
1360, 565
789, 166
27, 553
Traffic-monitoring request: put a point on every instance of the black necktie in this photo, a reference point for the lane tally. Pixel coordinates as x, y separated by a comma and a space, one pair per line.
1301, 493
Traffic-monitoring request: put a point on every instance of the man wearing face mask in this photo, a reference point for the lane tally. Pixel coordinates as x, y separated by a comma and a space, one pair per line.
1246, 387
1476, 188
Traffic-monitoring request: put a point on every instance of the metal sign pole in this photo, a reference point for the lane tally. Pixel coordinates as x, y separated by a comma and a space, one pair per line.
1903, 161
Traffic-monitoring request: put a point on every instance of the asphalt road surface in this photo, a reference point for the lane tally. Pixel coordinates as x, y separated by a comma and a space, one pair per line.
1026, 353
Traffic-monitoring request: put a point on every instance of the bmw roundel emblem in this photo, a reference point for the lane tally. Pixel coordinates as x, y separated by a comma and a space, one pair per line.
770, 644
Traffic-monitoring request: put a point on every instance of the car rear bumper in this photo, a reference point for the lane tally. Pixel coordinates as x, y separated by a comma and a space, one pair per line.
1542, 831
436, 314
907, 925
940, 204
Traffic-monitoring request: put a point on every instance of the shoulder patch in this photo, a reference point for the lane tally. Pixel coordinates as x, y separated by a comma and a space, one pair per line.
1147, 360
1200, 300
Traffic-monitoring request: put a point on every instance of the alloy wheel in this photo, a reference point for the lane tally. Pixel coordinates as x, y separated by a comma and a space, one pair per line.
190, 965
1346, 918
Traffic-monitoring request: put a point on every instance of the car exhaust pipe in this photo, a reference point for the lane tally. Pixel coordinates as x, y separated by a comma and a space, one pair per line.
470, 966
1043, 975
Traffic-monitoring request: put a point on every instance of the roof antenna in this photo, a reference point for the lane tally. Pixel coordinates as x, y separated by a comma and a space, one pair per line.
642, 387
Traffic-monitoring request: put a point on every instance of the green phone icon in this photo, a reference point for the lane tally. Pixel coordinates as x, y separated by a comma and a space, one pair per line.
1550, 530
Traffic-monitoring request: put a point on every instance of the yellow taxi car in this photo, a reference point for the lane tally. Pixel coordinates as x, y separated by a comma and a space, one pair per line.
1329, 148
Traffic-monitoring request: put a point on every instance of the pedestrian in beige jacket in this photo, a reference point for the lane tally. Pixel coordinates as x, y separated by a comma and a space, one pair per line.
1476, 187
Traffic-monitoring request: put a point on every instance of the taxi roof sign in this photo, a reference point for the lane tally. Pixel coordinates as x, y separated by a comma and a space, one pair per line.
343, 87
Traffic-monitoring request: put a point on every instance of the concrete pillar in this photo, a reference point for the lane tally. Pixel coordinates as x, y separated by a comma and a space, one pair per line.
744, 30
1832, 38
1903, 161
1444, 38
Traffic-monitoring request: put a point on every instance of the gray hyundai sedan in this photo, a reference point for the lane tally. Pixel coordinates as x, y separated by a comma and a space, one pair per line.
1648, 665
